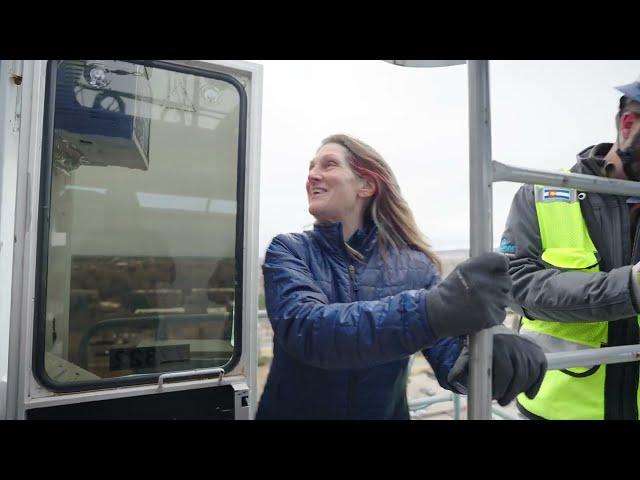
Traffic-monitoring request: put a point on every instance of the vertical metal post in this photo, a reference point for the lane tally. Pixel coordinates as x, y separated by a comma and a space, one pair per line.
481, 241
456, 406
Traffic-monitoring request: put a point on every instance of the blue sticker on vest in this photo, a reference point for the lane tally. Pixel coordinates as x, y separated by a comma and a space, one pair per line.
507, 246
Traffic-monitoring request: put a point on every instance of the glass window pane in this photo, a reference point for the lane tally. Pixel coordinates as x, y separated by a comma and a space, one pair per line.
141, 268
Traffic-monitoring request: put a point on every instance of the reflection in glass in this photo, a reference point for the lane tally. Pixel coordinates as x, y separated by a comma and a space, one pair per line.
141, 264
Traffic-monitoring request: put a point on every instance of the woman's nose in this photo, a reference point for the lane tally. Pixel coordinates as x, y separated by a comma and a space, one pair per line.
314, 175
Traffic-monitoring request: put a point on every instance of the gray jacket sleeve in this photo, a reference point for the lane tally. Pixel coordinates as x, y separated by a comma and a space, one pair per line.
554, 294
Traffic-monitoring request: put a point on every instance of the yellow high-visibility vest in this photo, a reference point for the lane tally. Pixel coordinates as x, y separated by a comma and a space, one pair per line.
574, 393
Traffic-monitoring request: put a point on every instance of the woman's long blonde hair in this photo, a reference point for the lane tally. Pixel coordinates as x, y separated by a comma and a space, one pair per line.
389, 211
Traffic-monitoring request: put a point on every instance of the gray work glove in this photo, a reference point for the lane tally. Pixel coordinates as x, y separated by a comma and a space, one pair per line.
519, 366
473, 297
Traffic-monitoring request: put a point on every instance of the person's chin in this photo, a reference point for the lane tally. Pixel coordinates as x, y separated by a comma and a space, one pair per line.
315, 209
315, 214
319, 215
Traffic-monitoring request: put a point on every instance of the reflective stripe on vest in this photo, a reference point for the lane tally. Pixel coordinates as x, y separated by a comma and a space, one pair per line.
576, 393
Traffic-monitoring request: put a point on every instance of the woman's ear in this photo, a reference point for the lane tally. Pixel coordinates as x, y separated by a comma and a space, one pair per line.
368, 188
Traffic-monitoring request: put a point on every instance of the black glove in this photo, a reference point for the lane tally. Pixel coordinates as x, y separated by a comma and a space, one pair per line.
473, 297
519, 366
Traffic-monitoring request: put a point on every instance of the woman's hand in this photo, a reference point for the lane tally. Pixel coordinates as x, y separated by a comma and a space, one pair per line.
473, 297
519, 366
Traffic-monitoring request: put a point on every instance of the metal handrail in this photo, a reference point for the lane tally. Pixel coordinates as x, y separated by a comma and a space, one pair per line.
593, 356
422, 403
556, 361
579, 181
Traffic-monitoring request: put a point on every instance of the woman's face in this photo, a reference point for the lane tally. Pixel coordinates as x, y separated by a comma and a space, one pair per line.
333, 189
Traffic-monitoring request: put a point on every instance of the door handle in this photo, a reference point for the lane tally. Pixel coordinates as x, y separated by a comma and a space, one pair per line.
201, 372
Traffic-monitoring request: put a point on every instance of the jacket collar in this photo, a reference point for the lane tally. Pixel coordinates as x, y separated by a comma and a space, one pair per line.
330, 237
591, 159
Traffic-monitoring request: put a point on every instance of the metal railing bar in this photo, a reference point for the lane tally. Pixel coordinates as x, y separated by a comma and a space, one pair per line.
578, 181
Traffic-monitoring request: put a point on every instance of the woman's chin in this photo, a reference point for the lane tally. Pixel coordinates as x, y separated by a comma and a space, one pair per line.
315, 211
319, 215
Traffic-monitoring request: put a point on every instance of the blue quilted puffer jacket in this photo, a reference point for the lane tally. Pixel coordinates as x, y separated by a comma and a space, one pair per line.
343, 329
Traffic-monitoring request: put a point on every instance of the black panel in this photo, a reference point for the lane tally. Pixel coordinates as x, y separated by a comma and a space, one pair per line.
215, 403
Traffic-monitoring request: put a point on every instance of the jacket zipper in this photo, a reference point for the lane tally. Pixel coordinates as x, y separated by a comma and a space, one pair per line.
350, 389
620, 397
634, 245
632, 368
354, 284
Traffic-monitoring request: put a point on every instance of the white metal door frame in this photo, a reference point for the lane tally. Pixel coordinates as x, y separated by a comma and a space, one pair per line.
22, 389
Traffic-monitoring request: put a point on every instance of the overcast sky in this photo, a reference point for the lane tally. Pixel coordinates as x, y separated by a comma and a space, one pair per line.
543, 113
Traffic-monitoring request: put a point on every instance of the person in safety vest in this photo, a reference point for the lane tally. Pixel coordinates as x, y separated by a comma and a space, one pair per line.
353, 299
573, 257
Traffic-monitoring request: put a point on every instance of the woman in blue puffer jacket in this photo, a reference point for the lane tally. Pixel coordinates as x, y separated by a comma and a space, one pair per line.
352, 300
